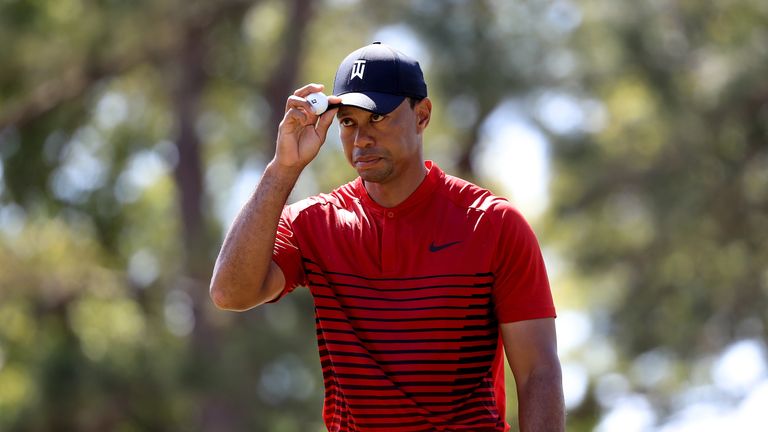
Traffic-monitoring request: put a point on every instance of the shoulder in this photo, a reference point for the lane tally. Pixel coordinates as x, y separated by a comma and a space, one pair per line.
473, 197
484, 205
341, 198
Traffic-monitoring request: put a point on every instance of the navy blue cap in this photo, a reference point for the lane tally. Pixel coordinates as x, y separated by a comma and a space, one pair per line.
377, 78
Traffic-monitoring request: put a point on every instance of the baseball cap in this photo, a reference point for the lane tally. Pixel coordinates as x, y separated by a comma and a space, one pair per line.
377, 78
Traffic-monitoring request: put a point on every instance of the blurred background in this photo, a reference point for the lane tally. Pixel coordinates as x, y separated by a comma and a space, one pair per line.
632, 135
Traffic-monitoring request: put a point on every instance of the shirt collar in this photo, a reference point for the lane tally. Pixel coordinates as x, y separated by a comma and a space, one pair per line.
420, 195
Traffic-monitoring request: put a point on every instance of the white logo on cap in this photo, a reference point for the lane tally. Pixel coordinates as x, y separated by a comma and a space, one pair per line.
358, 68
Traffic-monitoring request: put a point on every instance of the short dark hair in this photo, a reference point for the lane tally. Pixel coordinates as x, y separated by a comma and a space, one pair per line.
413, 101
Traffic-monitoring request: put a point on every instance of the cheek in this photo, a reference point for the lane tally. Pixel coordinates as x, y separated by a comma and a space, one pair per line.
346, 144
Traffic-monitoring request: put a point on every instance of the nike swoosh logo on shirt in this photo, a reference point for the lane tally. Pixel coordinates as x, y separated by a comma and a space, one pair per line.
434, 248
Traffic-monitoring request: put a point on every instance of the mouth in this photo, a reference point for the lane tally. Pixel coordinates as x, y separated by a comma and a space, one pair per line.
363, 162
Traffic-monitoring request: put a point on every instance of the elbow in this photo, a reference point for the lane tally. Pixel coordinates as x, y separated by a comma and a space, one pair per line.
224, 296
218, 295
233, 290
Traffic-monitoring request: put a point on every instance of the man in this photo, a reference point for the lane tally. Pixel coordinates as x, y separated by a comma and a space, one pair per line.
421, 281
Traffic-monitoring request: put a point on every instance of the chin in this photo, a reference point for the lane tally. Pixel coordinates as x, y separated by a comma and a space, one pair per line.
375, 175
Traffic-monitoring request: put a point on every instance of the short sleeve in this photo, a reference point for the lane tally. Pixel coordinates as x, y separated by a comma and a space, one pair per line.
521, 288
286, 253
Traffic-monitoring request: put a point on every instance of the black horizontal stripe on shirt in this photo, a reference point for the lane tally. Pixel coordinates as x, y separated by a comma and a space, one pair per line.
431, 406
448, 376
389, 426
393, 289
405, 320
456, 394
459, 408
327, 363
491, 325
446, 399
409, 330
385, 416
353, 427
430, 318
331, 375
401, 386
485, 394
459, 381
473, 417
328, 284
451, 296
459, 371
473, 413
347, 354
414, 362
470, 413
351, 275
329, 367
468, 349
332, 394
481, 306
382, 407
438, 375
482, 370
464, 338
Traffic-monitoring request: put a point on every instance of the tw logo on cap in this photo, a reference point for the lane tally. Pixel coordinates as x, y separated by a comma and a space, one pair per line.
358, 68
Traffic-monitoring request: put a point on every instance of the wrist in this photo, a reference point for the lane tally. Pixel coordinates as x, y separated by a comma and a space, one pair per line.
287, 174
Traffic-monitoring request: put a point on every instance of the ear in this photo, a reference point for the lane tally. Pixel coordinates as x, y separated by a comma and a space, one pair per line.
423, 110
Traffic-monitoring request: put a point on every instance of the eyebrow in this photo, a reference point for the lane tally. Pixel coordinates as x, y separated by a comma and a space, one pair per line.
346, 111
341, 112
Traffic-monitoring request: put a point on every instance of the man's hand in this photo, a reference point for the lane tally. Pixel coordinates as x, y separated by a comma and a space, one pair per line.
302, 133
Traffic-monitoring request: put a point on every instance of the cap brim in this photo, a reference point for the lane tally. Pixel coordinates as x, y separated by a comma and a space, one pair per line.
379, 103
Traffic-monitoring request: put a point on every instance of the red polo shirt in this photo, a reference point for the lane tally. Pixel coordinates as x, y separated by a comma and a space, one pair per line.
408, 301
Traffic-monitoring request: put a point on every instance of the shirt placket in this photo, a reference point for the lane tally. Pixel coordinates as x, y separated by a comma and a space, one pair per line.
388, 242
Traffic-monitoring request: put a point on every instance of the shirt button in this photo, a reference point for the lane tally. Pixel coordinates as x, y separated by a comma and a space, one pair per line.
390, 214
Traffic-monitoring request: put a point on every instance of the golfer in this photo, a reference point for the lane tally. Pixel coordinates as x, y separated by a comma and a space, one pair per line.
423, 283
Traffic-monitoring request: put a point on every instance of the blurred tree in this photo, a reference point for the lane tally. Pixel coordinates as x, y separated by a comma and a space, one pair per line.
101, 102
660, 199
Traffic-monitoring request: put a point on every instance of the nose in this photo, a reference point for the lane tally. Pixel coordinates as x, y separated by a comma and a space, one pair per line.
363, 138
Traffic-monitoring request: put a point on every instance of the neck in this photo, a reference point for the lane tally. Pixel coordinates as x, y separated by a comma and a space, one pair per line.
390, 194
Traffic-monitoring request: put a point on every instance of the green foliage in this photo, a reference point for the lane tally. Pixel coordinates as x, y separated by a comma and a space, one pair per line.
672, 204
662, 208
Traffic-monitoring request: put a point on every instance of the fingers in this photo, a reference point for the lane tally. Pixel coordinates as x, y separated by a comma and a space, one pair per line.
298, 99
301, 133
334, 101
299, 112
301, 105
309, 88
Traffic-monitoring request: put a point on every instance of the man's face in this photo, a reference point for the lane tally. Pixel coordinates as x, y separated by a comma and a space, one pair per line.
382, 147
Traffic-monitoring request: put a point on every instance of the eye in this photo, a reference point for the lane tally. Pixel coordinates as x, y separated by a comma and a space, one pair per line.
377, 118
345, 122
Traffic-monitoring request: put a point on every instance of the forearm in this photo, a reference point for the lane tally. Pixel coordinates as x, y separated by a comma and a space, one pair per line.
242, 267
541, 407
242, 277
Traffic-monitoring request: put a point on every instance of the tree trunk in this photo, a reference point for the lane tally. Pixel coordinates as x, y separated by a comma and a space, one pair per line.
191, 81
282, 82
